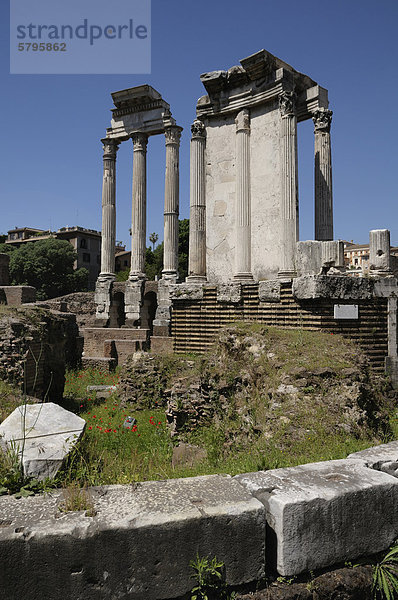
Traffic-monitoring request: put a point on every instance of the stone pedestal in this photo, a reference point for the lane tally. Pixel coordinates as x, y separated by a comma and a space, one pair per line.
197, 223
289, 186
242, 207
323, 175
133, 300
161, 323
333, 257
108, 238
171, 203
379, 252
102, 298
138, 222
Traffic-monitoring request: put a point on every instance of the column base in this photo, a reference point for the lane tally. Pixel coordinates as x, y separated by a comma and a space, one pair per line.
196, 279
170, 276
286, 274
244, 277
137, 277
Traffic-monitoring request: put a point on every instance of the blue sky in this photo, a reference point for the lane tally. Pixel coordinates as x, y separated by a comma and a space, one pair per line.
51, 167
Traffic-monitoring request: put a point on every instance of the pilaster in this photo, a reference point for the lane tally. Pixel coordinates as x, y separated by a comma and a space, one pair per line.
289, 184
242, 207
197, 223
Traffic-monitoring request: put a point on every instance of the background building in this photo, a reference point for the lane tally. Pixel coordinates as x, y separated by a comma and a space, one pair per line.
86, 242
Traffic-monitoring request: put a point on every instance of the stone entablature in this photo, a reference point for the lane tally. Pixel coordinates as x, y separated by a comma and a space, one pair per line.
248, 152
260, 78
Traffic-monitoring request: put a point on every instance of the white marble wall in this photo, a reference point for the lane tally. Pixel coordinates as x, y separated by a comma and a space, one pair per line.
265, 194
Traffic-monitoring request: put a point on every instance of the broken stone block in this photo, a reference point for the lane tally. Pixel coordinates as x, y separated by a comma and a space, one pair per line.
381, 458
43, 435
102, 391
324, 513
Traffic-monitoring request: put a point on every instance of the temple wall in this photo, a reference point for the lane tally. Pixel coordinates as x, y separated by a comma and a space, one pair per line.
265, 194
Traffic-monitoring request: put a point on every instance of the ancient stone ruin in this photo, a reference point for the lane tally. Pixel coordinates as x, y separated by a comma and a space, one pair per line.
245, 256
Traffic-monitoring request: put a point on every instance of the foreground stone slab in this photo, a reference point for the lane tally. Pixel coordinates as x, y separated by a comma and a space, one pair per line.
321, 514
137, 546
382, 458
43, 434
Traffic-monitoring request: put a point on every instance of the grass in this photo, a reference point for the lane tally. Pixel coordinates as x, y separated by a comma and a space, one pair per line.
10, 399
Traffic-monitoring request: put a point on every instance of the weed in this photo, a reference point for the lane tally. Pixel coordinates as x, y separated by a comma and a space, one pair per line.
77, 498
385, 576
210, 577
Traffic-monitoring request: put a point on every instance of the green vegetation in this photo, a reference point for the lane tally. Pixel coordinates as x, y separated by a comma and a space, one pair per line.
47, 265
10, 398
210, 578
252, 428
253, 421
385, 576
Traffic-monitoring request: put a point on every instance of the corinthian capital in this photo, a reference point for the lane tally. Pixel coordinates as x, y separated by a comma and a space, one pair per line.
111, 146
242, 120
172, 134
322, 118
198, 129
287, 103
140, 141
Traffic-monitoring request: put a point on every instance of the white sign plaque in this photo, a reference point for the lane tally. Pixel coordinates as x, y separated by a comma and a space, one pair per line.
346, 311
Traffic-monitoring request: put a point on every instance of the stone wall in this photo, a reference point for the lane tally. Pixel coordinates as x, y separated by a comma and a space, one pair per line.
4, 269
35, 347
265, 185
137, 540
195, 322
80, 304
127, 341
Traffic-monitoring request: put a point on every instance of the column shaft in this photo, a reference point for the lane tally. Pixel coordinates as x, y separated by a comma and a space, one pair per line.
243, 208
289, 184
323, 175
171, 203
197, 222
138, 221
108, 236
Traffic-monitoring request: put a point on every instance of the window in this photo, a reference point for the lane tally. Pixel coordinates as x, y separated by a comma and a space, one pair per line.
83, 244
86, 257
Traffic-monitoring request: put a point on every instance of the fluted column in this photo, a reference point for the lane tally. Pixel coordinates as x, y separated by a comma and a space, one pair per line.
323, 175
171, 203
289, 186
138, 221
197, 217
108, 235
242, 206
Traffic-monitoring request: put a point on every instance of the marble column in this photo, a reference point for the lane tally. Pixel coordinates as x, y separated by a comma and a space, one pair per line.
138, 221
171, 203
108, 235
323, 175
242, 206
197, 222
289, 184
379, 252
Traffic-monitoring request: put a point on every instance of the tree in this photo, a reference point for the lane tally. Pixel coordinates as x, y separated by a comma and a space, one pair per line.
153, 238
47, 265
